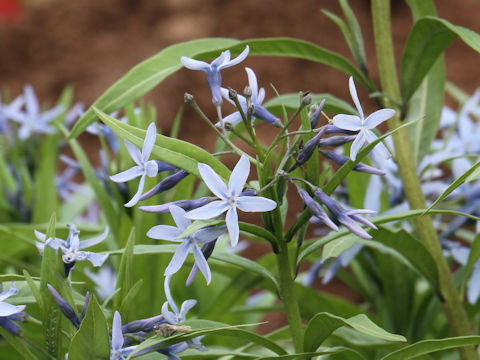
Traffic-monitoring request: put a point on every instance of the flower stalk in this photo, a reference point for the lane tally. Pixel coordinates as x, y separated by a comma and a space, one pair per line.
454, 308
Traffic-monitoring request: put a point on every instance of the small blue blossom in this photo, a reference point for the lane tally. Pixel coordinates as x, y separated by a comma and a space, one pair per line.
117, 351
363, 125
33, 120
105, 280
171, 233
71, 248
144, 166
230, 198
214, 77
9, 312
257, 99
13, 107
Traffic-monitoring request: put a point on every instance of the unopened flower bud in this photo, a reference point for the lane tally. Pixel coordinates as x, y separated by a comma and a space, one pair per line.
306, 98
247, 91
308, 149
65, 307
316, 209
315, 112
251, 110
165, 184
341, 159
188, 98
337, 140
184, 204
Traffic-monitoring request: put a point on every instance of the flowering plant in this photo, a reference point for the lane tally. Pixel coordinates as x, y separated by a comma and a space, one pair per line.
387, 211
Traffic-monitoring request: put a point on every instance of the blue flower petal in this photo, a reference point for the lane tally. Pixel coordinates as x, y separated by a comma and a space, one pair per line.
202, 263
164, 232
149, 142
209, 211
178, 258
117, 336
255, 204
178, 215
213, 181
239, 176
138, 194
232, 225
375, 119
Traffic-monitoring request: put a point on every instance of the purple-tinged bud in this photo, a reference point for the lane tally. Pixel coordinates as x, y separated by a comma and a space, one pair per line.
65, 307
341, 159
164, 166
316, 209
207, 250
165, 184
338, 140
144, 325
346, 217
313, 273
12, 327
251, 110
332, 129
308, 149
315, 113
184, 204
85, 306
188, 98
248, 192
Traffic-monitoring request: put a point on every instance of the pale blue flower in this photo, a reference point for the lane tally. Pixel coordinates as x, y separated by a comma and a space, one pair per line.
117, 351
257, 99
72, 247
33, 120
363, 125
9, 312
144, 166
13, 107
214, 77
230, 197
171, 233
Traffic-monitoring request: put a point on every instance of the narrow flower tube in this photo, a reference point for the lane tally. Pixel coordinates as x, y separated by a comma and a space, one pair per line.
337, 140
340, 159
184, 204
165, 184
349, 218
315, 113
65, 307
308, 149
316, 209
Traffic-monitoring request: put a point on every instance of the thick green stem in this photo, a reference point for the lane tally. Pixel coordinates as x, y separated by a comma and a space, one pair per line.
289, 296
454, 308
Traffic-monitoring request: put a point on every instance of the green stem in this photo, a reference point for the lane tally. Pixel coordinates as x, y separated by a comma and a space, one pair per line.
289, 296
454, 308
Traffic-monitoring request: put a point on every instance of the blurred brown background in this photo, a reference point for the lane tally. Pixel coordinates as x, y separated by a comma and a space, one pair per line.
91, 43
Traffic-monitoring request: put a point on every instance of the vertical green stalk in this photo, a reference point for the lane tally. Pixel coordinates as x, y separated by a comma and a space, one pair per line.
289, 296
454, 309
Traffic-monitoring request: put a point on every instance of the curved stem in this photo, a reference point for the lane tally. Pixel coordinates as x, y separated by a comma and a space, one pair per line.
454, 308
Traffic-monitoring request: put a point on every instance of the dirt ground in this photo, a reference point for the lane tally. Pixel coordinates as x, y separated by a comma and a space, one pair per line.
89, 44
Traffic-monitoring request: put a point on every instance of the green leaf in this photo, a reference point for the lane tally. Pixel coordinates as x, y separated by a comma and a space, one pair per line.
472, 259
145, 76
18, 344
35, 290
125, 272
207, 327
430, 346
177, 152
323, 324
291, 103
91, 341
246, 264
357, 47
427, 40
453, 186
129, 299
334, 248
197, 225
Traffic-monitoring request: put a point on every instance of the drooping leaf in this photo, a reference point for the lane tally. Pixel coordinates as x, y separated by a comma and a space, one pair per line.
176, 152
430, 346
427, 40
323, 324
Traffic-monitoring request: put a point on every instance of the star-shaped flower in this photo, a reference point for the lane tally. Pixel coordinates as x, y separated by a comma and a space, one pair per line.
214, 77
5, 109
363, 125
9, 312
230, 197
257, 99
33, 120
171, 233
71, 248
144, 166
